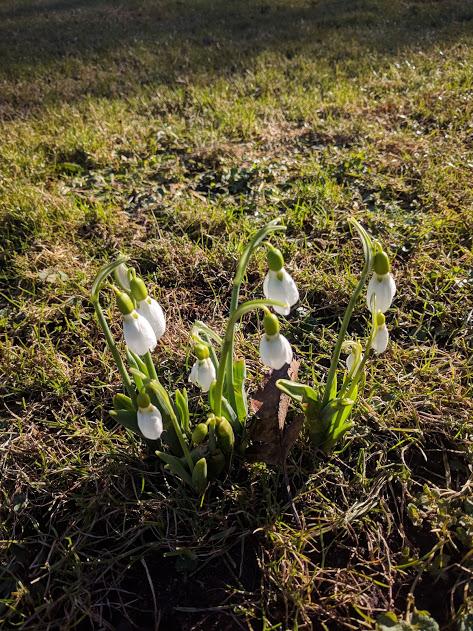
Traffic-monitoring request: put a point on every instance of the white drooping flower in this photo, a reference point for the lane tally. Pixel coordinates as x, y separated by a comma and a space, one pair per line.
278, 283
381, 337
355, 356
152, 311
274, 349
203, 372
280, 286
382, 285
150, 421
138, 333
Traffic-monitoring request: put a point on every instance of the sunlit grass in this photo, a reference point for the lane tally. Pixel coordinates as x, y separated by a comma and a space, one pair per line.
169, 132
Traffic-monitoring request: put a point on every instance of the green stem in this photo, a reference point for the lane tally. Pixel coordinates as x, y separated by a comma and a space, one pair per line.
257, 239
148, 360
348, 313
227, 345
181, 438
127, 383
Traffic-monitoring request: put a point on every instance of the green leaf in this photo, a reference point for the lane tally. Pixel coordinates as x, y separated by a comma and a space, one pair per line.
229, 413
333, 387
126, 418
182, 406
176, 466
421, 621
241, 400
164, 402
297, 391
136, 361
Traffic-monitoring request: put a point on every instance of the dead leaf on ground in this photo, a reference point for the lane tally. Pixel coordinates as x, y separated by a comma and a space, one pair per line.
272, 438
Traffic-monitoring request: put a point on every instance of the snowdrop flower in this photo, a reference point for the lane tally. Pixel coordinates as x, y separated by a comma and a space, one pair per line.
381, 285
137, 331
274, 349
278, 284
355, 356
147, 306
150, 421
203, 371
381, 337
121, 276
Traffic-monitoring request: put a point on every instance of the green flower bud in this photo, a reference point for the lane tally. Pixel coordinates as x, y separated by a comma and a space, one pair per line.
138, 288
199, 476
122, 402
143, 400
201, 351
271, 324
275, 258
225, 436
200, 433
381, 263
124, 302
211, 421
380, 319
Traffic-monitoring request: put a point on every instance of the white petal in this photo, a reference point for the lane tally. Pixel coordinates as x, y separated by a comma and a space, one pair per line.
350, 360
150, 422
275, 351
384, 288
121, 275
381, 338
152, 311
284, 290
138, 334
203, 374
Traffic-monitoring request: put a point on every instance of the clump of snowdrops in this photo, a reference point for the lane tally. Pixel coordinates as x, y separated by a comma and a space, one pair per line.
201, 453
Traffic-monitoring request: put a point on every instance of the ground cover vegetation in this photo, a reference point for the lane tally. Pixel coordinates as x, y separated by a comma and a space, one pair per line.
169, 132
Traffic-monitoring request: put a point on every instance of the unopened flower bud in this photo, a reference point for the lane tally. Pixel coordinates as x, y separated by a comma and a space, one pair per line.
381, 263
274, 258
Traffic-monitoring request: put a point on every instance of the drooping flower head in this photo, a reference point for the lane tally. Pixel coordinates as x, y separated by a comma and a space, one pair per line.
121, 276
137, 331
274, 348
381, 285
278, 284
381, 337
150, 421
147, 306
355, 355
203, 372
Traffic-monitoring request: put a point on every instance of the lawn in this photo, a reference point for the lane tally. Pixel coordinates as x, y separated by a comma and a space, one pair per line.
169, 131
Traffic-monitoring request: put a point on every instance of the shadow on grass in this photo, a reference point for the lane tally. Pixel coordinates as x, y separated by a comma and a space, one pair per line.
54, 51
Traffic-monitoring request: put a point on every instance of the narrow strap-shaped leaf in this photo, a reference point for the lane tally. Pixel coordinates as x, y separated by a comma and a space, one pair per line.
176, 466
229, 413
138, 362
241, 400
182, 406
297, 391
126, 418
333, 389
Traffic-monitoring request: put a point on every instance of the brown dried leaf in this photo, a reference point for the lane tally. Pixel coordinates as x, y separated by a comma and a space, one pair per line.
272, 438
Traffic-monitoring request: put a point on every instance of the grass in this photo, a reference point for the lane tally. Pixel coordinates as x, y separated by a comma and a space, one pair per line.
168, 131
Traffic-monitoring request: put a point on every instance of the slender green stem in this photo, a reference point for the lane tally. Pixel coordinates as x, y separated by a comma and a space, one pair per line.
148, 360
181, 438
348, 313
127, 383
257, 239
228, 344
